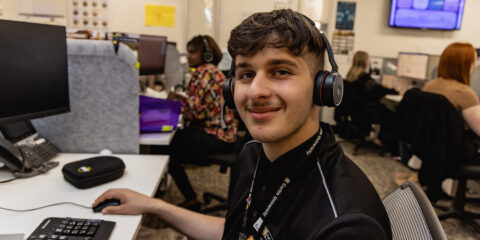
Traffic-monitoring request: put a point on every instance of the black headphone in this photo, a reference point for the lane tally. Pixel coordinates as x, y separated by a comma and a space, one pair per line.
328, 86
207, 55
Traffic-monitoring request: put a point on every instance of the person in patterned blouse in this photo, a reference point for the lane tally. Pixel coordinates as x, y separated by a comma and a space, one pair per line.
203, 133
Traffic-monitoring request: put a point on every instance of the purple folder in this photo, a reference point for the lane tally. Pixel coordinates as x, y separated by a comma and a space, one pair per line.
158, 115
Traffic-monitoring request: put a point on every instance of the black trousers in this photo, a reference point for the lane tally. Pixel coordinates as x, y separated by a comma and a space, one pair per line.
190, 145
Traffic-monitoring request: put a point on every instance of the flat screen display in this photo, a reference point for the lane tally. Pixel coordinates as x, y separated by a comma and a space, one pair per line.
412, 65
33, 71
427, 14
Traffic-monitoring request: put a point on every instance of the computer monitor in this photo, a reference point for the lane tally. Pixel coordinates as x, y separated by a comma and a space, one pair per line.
412, 65
33, 73
152, 52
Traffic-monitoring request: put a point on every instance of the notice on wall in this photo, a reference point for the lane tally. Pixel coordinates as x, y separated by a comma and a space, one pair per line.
342, 42
159, 16
345, 15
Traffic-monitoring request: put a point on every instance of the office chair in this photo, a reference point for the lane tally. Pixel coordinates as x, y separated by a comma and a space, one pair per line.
435, 131
352, 117
225, 160
411, 214
457, 207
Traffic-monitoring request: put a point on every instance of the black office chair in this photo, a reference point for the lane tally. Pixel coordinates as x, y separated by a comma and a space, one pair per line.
435, 131
457, 207
352, 117
224, 160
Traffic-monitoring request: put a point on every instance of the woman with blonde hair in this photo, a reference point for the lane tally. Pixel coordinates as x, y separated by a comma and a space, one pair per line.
368, 91
456, 66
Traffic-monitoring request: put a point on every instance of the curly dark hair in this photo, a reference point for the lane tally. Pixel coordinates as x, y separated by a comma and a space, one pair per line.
278, 29
198, 42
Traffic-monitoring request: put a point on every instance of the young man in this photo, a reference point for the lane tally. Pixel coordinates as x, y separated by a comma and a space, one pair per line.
294, 181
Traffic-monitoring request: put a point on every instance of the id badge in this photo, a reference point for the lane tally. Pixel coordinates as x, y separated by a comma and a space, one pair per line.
266, 234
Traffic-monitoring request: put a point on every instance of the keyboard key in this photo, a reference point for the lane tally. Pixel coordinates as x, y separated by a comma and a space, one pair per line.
73, 229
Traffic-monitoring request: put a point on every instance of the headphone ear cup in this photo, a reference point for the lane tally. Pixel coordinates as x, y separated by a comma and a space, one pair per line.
207, 57
228, 88
328, 89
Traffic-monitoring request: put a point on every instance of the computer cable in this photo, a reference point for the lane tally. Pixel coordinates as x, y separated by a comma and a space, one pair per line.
37, 208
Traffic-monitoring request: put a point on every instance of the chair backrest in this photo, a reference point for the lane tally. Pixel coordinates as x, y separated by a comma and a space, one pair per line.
434, 128
352, 116
103, 101
411, 214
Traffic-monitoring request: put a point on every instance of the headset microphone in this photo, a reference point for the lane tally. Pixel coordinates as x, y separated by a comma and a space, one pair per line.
207, 54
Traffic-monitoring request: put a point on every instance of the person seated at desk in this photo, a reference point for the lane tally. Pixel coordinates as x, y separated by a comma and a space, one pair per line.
371, 92
294, 181
456, 66
201, 111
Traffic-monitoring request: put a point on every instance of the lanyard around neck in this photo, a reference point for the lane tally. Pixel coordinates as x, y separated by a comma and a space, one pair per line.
286, 181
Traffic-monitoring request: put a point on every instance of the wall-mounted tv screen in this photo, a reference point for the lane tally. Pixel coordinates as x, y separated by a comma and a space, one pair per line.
429, 14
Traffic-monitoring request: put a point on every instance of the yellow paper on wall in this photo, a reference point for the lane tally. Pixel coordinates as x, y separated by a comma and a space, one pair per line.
159, 15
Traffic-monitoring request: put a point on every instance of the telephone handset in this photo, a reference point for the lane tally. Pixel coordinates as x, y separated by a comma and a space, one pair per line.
10, 155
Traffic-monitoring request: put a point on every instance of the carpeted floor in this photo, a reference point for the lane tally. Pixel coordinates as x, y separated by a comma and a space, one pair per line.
380, 170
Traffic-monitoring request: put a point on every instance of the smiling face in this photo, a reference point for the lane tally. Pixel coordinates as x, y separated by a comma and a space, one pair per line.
273, 95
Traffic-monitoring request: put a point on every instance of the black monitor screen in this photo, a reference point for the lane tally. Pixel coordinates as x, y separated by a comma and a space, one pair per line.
33, 71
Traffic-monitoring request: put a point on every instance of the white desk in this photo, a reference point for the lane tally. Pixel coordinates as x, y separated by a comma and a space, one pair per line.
142, 174
159, 139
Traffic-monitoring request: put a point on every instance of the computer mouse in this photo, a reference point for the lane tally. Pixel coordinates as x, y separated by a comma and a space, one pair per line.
106, 203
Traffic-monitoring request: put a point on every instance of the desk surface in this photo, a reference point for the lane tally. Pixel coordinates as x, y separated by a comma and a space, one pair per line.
142, 174
159, 139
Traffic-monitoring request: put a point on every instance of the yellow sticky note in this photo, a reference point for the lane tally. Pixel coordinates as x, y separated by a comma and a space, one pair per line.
159, 15
167, 128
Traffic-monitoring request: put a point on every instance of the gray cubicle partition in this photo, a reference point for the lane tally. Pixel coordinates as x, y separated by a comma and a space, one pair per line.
173, 69
103, 101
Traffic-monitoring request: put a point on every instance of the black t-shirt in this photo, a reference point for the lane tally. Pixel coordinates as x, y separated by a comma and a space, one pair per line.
349, 209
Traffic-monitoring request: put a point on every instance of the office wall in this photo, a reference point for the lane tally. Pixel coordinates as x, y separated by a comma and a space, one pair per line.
232, 12
372, 33
201, 18
124, 16
129, 16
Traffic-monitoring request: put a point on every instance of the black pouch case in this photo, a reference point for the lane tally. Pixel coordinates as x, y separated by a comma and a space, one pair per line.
93, 171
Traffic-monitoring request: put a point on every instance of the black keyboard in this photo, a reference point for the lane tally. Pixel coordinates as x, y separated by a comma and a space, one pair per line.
73, 229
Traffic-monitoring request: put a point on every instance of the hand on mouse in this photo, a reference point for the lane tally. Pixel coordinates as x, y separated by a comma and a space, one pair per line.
132, 203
